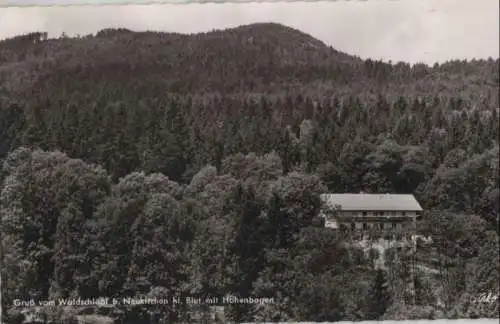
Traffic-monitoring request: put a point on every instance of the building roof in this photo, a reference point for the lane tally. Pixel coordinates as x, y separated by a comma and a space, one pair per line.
372, 202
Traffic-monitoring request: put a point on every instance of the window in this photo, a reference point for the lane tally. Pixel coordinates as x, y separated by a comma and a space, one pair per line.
365, 213
353, 226
365, 226
393, 225
403, 213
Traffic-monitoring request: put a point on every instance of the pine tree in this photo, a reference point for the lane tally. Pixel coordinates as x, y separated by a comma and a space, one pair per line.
379, 297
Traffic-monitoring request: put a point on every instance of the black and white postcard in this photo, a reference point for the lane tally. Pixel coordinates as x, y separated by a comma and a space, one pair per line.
301, 162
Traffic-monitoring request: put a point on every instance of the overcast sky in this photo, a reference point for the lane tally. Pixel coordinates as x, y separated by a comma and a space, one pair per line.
404, 30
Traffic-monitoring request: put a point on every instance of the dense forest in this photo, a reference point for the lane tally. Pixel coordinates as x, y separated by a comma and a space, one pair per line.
160, 164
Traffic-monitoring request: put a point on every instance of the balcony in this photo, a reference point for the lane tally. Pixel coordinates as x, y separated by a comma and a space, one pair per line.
375, 234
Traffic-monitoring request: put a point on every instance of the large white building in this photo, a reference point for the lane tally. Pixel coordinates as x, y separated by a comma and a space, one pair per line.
388, 216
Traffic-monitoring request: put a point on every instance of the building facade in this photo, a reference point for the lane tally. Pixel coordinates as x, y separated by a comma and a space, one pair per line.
372, 216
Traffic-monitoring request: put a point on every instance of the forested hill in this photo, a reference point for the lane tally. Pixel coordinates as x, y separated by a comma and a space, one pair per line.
119, 146
244, 90
259, 58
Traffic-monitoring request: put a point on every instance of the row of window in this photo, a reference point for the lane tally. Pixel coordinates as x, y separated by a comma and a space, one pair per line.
366, 226
381, 213
388, 237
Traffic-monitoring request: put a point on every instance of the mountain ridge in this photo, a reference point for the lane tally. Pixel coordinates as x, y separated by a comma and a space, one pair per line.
258, 58
269, 53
